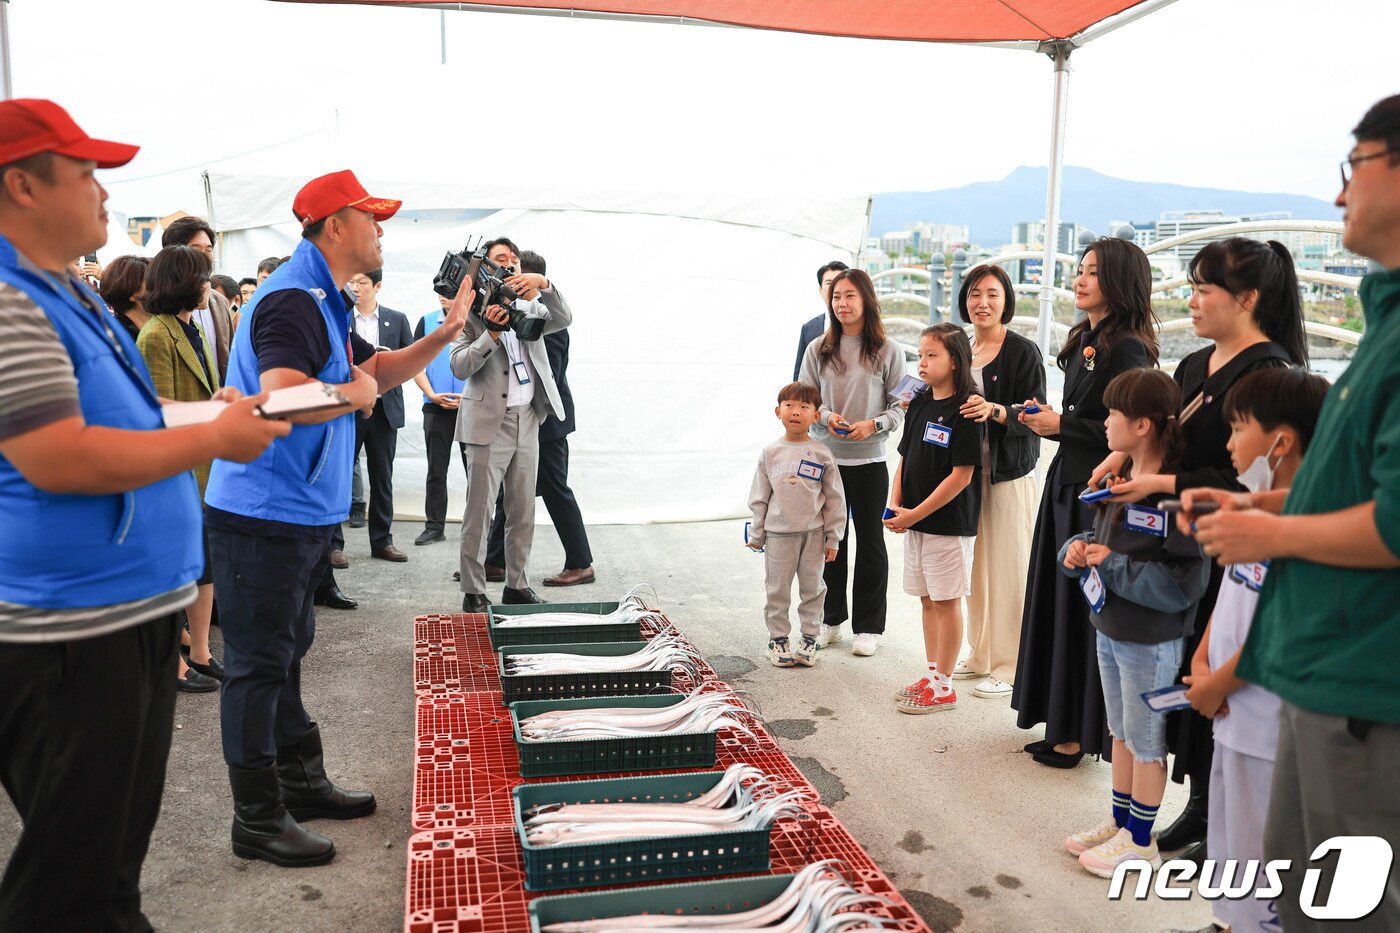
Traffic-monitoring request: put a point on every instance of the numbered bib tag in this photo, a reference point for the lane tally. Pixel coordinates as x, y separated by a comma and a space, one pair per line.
1091, 584
1251, 575
522, 372
1147, 520
937, 434
810, 470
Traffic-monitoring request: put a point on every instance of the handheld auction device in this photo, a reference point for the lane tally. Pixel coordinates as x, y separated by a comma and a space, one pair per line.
1204, 507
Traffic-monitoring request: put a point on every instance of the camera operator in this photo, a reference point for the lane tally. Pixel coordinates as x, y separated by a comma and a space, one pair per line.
499, 421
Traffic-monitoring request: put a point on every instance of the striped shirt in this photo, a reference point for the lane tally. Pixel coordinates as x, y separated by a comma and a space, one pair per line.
37, 388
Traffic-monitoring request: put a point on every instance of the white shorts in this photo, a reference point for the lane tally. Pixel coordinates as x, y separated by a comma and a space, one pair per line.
938, 566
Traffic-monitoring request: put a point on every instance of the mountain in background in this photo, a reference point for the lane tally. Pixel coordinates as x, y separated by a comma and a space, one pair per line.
990, 208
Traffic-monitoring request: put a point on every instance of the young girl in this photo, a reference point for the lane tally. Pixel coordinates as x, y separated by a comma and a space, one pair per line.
935, 499
856, 368
1141, 578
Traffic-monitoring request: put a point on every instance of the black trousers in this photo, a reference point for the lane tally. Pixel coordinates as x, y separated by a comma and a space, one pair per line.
380, 441
265, 588
551, 482
439, 430
85, 732
867, 491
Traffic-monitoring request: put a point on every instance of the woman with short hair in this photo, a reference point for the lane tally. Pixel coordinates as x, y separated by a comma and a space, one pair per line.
124, 291
183, 369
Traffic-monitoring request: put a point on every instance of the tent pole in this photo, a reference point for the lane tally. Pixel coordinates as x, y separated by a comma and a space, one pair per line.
7, 90
1058, 51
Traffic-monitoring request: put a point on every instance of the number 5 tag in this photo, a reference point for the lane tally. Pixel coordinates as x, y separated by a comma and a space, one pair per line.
1092, 586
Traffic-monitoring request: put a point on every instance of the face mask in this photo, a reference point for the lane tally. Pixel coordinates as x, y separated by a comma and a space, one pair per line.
1259, 477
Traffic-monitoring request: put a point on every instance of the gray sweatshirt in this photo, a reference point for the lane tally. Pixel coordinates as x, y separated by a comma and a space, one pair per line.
797, 489
857, 394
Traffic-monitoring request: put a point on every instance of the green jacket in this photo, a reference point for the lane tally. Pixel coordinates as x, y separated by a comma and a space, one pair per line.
1327, 639
175, 370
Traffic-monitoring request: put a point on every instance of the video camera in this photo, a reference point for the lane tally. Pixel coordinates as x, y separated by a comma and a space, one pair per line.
487, 279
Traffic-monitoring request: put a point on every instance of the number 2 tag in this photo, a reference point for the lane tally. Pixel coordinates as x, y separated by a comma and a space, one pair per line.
1148, 521
937, 434
1092, 586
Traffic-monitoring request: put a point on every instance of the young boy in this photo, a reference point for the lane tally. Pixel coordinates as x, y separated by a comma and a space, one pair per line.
799, 515
1272, 416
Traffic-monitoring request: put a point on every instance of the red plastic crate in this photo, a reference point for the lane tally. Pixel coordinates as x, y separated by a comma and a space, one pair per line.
469, 784
428, 627
472, 880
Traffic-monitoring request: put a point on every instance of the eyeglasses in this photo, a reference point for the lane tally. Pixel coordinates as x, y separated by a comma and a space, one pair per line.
1350, 163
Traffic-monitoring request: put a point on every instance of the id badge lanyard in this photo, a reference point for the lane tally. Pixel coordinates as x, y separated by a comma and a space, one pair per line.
521, 369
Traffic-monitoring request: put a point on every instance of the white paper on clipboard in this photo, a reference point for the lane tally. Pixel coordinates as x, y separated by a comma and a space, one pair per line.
281, 403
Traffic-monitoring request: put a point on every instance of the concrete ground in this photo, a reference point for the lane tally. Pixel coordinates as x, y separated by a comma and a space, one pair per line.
948, 805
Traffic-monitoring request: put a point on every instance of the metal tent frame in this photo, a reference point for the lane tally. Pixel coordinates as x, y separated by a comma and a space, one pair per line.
1058, 50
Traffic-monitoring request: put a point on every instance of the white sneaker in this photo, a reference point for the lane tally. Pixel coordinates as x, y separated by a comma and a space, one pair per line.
780, 653
992, 689
828, 635
964, 671
806, 653
1086, 839
865, 645
1103, 858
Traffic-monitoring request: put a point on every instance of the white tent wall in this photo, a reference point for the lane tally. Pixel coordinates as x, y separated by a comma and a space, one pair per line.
684, 329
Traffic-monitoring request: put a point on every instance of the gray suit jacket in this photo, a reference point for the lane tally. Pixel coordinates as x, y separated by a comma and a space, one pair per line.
482, 362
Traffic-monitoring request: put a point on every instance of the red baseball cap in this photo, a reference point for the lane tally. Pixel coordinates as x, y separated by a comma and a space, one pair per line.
321, 197
29, 126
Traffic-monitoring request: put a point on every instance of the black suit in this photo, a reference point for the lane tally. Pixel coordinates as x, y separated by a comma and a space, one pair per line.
552, 479
810, 331
378, 434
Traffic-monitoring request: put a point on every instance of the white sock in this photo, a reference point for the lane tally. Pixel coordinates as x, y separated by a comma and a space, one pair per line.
942, 682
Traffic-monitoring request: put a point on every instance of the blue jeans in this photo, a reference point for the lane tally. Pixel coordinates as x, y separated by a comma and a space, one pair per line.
1128, 670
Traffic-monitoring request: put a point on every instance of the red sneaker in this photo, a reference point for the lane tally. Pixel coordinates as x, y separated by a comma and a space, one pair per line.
927, 702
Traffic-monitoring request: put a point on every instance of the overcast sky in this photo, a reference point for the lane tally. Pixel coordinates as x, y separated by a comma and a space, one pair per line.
1255, 95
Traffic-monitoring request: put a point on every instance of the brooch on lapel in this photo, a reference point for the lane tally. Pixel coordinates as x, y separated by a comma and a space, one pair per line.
1089, 358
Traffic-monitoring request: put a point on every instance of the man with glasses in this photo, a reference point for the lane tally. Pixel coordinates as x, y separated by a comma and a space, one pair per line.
215, 318
1335, 660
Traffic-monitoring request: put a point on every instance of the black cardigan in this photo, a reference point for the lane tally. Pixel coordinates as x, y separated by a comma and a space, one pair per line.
1204, 460
1017, 373
1083, 437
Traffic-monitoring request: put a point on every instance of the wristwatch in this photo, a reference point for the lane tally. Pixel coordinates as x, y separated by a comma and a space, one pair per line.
879, 426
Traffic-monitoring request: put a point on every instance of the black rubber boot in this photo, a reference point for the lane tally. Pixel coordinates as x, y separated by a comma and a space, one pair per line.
262, 827
307, 792
1190, 827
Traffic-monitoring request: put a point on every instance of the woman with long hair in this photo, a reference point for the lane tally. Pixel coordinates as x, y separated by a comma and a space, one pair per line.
857, 369
1006, 370
183, 369
124, 291
1245, 300
1057, 673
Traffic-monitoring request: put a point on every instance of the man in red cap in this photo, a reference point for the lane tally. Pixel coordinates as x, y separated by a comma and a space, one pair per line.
100, 548
270, 521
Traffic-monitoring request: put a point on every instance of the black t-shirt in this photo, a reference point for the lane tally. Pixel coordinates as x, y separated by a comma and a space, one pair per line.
927, 463
289, 333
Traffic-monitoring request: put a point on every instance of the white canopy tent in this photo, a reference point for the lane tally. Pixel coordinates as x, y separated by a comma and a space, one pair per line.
680, 339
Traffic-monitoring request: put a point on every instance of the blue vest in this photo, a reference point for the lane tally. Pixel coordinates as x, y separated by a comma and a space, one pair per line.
440, 369
76, 551
303, 478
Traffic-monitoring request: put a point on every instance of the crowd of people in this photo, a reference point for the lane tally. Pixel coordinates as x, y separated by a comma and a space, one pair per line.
1206, 577
1239, 534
